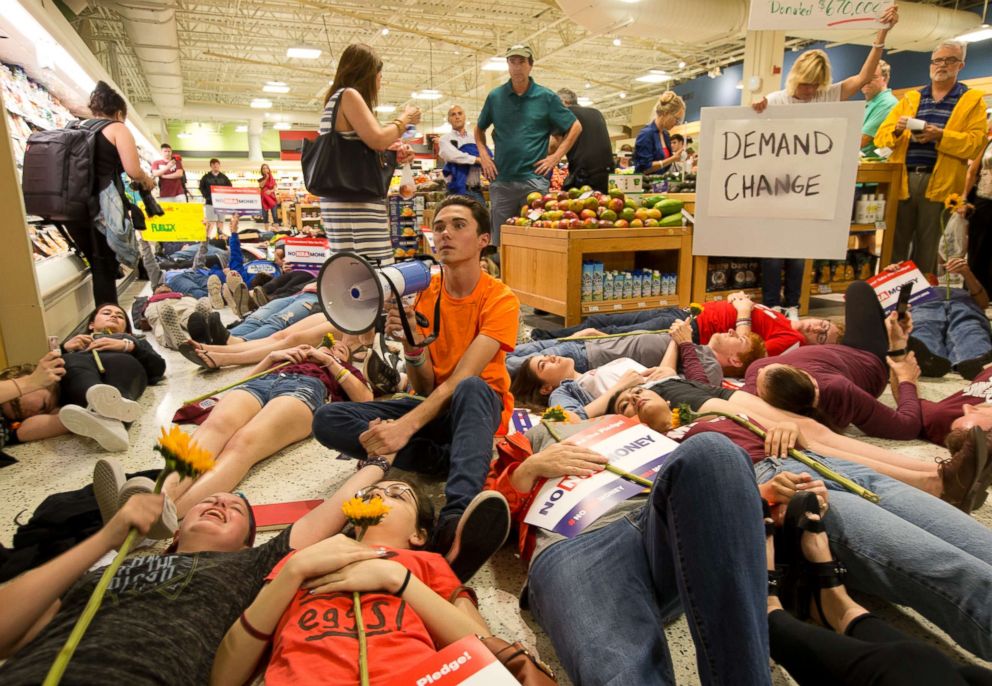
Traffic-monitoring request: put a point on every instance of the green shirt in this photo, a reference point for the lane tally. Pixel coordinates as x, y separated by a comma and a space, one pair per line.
523, 124
876, 110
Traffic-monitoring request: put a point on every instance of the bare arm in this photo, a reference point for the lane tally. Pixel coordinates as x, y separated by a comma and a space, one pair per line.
850, 86
327, 519
127, 149
41, 426
485, 159
549, 162
364, 123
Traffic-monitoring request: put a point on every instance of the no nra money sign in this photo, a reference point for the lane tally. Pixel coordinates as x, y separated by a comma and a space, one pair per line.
779, 183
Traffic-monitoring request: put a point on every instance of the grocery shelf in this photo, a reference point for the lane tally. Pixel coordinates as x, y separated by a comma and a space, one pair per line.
630, 304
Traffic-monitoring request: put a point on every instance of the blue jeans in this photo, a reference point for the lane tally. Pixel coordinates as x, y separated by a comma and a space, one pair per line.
191, 282
506, 198
276, 319
307, 389
956, 329
771, 281
575, 350
649, 320
912, 549
698, 546
457, 442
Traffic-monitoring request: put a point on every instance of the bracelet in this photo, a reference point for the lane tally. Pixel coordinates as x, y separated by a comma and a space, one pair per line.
880, 46
252, 631
416, 352
340, 375
399, 125
896, 353
374, 461
406, 581
20, 391
743, 321
417, 361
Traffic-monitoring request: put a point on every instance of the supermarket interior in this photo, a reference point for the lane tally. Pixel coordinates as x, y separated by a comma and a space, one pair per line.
478, 287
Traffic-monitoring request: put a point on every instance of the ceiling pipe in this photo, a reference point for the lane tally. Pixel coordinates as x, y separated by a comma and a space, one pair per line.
226, 113
152, 31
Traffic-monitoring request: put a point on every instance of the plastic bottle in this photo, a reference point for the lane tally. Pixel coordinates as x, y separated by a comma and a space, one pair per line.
861, 210
656, 282
880, 207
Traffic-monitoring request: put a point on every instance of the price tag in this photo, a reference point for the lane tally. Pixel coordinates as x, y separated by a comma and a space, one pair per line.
823, 288
593, 308
534, 215
642, 305
618, 306
587, 194
880, 225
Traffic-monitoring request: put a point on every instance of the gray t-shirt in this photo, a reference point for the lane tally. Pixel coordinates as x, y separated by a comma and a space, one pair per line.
647, 349
162, 619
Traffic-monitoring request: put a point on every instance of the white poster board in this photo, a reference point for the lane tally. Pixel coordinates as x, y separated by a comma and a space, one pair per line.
779, 183
816, 14
236, 200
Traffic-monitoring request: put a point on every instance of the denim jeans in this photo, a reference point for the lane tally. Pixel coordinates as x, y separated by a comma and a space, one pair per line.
956, 329
575, 350
273, 320
912, 549
698, 546
457, 442
307, 389
649, 320
506, 198
191, 282
771, 281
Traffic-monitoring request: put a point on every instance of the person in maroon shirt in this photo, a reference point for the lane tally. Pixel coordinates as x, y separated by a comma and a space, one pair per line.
946, 421
169, 172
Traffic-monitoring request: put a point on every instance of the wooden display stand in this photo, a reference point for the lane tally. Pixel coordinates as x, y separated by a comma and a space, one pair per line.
544, 266
303, 218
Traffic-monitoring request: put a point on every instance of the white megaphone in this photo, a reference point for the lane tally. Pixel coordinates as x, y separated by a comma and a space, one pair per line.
352, 291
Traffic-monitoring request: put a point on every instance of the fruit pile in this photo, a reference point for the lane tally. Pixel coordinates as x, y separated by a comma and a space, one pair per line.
584, 208
670, 183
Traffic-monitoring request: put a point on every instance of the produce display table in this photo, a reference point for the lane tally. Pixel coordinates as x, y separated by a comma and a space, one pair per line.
544, 266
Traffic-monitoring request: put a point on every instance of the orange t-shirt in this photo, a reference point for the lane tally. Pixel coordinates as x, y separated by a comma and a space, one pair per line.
491, 310
316, 641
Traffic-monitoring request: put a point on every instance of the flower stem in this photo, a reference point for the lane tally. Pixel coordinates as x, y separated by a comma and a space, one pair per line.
363, 647
57, 670
611, 335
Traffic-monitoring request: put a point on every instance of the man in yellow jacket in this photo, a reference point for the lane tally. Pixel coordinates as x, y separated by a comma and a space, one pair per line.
936, 156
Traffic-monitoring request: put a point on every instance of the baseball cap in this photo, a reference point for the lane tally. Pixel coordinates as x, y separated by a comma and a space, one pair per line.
521, 50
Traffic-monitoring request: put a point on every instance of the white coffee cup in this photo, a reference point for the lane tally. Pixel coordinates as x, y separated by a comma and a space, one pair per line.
914, 125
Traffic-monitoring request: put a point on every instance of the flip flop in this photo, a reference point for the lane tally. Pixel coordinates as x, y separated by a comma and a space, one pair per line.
192, 353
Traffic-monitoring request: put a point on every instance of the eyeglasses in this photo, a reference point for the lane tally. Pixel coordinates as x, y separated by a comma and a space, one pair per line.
823, 332
944, 61
397, 491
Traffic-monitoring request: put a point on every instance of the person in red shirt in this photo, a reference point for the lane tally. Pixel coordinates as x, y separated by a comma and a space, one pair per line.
169, 172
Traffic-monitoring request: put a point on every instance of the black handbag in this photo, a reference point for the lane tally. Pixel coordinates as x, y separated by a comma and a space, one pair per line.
335, 166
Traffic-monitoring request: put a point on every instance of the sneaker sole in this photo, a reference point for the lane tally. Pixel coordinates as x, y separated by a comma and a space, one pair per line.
108, 402
242, 299
82, 423
488, 521
108, 480
215, 293
174, 334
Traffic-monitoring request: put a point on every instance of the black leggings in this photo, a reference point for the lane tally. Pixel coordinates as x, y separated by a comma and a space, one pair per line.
864, 320
871, 652
980, 242
103, 262
123, 372
287, 284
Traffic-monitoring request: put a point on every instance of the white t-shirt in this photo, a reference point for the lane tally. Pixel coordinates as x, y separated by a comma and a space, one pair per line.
830, 94
598, 381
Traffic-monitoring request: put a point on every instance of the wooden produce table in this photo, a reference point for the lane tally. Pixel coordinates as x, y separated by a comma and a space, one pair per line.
544, 266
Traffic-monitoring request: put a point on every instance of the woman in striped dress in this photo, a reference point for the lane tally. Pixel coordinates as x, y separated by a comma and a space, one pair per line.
360, 223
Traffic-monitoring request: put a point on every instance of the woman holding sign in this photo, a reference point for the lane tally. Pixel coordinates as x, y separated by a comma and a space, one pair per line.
809, 82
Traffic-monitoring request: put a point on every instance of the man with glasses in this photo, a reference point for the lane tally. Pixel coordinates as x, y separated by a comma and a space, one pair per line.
934, 131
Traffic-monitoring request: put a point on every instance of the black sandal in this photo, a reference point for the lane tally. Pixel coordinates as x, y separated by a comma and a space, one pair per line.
789, 552
192, 353
810, 577
774, 575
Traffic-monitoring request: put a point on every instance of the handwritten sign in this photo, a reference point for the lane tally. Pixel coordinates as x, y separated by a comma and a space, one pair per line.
816, 14
182, 221
236, 200
777, 184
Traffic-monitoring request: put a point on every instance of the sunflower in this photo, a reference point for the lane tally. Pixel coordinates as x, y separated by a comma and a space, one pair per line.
695, 309
364, 513
328, 341
952, 202
182, 454
555, 414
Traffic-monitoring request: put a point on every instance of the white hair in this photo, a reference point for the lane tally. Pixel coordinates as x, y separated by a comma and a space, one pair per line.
960, 45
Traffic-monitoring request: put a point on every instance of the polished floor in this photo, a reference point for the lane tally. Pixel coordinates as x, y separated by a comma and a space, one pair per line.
307, 470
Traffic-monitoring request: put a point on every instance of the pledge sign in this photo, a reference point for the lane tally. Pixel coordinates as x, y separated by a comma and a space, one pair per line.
816, 14
777, 184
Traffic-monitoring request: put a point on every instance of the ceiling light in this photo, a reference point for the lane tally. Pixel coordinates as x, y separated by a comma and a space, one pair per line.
385, 109
588, 85
983, 32
654, 76
184, 134
631, 2
261, 103
275, 83
617, 42
739, 86
681, 64
268, 88
494, 64
427, 94
714, 72
303, 52
622, 95
241, 128
385, 32
584, 102
282, 126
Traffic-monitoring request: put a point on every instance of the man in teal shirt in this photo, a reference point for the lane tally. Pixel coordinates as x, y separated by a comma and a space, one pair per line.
524, 115
880, 101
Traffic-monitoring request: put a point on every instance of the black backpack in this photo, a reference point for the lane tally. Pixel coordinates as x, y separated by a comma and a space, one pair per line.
59, 180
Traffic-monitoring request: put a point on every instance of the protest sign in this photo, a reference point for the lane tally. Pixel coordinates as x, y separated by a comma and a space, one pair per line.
777, 15
314, 251
466, 662
887, 285
182, 221
569, 504
236, 200
779, 183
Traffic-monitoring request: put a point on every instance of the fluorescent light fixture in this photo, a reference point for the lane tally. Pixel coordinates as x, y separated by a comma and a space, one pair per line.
385, 32
739, 86
385, 109
49, 53
282, 126
184, 134
241, 128
584, 102
681, 64
304, 52
275, 89
617, 42
427, 94
983, 32
622, 95
494, 64
261, 103
654, 76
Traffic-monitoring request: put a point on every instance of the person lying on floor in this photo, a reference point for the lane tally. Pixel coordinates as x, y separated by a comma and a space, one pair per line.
264, 290
736, 313
277, 315
945, 422
183, 601
416, 603
555, 379
839, 384
911, 548
86, 401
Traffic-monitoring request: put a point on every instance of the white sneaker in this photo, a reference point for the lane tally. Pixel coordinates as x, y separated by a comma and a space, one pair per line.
109, 433
108, 402
792, 313
167, 523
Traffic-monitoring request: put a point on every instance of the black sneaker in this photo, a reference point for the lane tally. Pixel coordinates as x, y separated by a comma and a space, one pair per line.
931, 365
969, 369
215, 328
481, 531
196, 327
540, 335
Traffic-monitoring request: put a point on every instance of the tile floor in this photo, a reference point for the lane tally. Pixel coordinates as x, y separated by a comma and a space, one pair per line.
307, 470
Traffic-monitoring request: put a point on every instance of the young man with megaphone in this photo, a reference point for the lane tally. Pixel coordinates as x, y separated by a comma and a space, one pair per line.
465, 387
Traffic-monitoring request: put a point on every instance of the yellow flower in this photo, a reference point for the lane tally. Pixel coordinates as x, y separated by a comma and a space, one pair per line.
364, 513
555, 414
181, 454
695, 309
328, 341
952, 201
